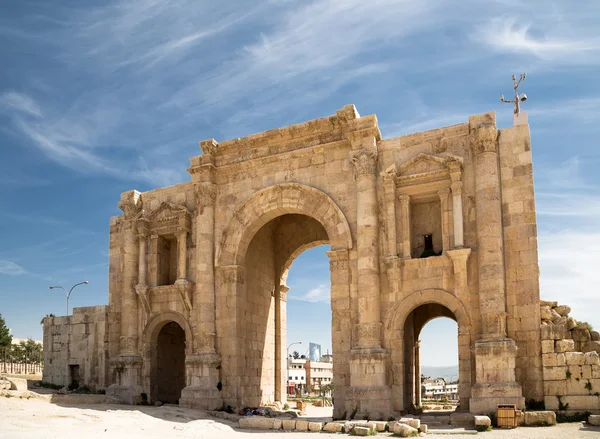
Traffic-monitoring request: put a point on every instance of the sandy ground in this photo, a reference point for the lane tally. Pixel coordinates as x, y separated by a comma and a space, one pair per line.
38, 419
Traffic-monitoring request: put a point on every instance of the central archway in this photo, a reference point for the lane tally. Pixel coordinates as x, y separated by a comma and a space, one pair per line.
262, 238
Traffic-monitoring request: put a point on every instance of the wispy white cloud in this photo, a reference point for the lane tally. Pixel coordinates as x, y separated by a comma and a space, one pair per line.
319, 294
11, 268
33, 218
21, 103
545, 38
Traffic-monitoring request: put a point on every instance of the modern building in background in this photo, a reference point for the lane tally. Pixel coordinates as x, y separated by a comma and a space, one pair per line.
318, 373
438, 389
314, 352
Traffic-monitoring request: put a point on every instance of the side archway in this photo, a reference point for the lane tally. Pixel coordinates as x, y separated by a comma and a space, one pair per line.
274, 201
404, 323
156, 323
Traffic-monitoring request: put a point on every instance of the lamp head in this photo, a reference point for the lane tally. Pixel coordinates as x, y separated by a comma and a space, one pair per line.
522, 97
86, 282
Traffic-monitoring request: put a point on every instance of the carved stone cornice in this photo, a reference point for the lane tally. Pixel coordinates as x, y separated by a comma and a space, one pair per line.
484, 139
130, 204
209, 146
364, 161
443, 193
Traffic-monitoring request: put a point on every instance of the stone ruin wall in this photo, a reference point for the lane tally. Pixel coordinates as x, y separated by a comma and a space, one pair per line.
77, 344
571, 365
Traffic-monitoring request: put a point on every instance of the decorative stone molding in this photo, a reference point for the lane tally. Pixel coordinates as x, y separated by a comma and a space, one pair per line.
169, 218
484, 139
231, 274
128, 344
142, 292
130, 208
283, 290
338, 260
364, 161
369, 334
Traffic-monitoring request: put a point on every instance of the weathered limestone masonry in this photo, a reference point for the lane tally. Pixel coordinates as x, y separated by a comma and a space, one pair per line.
571, 366
75, 348
439, 223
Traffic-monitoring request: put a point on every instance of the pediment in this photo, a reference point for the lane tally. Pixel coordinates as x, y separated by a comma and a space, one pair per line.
167, 211
422, 164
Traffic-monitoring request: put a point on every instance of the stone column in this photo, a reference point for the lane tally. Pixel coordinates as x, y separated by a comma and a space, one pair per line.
181, 252
142, 286
280, 343
127, 365
443, 194
494, 352
367, 249
405, 221
457, 214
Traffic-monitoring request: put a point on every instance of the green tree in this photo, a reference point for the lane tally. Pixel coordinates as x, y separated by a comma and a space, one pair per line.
5, 337
296, 355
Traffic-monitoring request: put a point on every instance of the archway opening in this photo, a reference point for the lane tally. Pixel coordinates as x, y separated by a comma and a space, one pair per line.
438, 358
264, 342
169, 371
431, 359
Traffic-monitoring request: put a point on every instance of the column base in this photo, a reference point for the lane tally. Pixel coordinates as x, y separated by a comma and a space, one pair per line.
368, 394
203, 378
495, 381
485, 397
127, 368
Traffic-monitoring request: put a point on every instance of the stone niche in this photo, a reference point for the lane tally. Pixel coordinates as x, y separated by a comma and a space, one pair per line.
426, 227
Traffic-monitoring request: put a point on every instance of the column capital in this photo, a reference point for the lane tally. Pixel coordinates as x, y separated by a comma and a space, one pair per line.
404, 198
232, 274
206, 194
443, 193
456, 187
338, 260
364, 161
209, 146
484, 139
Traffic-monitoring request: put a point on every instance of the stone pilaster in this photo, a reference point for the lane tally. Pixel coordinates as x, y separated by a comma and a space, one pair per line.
495, 353
204, 365
455, 169
405, 225
127, 365
368, 392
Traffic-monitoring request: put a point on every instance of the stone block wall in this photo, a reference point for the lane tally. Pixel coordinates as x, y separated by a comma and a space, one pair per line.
571, 365
76, 348
521, 255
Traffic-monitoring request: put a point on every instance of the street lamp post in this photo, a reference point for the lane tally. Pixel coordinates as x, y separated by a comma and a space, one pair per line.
68, 294
287, 366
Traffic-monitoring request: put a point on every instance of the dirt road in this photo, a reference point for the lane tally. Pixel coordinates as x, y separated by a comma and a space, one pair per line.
38, 419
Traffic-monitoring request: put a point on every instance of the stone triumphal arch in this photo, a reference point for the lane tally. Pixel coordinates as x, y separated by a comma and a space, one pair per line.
434, 224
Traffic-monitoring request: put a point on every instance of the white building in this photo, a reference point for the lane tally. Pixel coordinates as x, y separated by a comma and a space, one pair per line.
296, 376
317, 374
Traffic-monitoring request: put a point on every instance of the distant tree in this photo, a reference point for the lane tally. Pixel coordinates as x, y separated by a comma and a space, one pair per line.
296, 355
5, 337
303, 357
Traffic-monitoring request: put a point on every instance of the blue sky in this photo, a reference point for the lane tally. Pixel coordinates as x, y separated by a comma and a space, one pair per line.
101, 97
